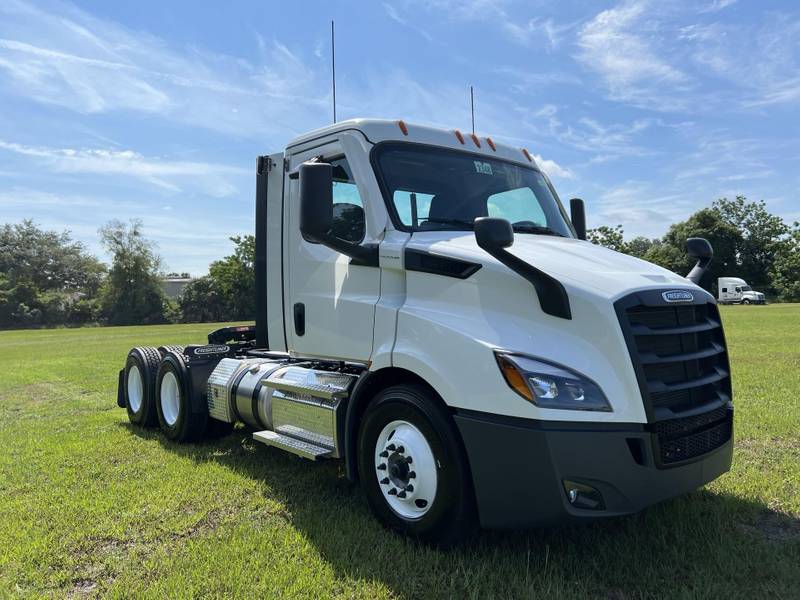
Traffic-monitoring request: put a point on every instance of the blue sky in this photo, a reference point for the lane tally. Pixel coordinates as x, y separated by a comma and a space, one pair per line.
648, 110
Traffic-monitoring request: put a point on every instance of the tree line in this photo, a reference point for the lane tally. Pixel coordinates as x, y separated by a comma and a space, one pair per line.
748, 241
48, 279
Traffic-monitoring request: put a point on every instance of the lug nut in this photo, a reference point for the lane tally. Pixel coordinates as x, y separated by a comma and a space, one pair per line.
409, 488
393, 492
402, 494
412, 474
384, 481
391, 447
400, 449
408, 460
384, 454
382, 467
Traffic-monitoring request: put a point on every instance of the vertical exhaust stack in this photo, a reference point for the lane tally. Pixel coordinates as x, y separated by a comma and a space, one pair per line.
262, 168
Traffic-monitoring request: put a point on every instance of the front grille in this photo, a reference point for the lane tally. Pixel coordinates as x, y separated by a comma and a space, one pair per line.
680, 354
681, 363
673, 449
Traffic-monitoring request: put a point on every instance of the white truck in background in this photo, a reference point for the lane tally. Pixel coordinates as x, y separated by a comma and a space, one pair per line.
733, 290
428, 314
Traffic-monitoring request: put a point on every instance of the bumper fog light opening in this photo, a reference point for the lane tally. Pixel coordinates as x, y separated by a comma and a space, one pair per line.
583, 496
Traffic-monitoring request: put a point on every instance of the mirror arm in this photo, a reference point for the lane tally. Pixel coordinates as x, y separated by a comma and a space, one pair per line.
552, 296
365, 255
696, 274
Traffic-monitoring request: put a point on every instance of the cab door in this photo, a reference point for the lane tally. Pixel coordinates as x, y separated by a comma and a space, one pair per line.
330, 303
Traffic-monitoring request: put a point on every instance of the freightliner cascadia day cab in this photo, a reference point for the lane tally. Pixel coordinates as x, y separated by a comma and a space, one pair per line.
733, 290
428, 314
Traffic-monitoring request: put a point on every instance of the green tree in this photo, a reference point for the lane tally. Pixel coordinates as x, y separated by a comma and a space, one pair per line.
610, 237
131, 294
234, 278
763, 237
201, 301
640, 246
785, 272
46, 278
706, 223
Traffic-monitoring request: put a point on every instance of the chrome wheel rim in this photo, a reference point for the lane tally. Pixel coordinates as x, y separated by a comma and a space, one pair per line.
135, 389
406, 469
170, 398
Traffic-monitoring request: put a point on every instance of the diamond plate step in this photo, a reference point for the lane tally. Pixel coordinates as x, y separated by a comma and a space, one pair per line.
290, 444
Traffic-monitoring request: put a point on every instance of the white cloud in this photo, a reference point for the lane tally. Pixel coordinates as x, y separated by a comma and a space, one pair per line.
552, 168
75, 61
173, 176
615, 46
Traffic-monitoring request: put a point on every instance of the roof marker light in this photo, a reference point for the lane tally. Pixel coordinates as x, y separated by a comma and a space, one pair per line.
459, 136
476, 140
527, 154
402, 127
491, 144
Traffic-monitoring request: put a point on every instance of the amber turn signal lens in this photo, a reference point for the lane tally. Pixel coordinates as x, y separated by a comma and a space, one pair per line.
513, 377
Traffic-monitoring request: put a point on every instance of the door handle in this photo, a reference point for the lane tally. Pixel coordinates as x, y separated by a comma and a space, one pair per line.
299, 319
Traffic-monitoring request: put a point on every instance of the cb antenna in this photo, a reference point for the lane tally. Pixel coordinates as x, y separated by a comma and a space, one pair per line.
472, 108
333, 70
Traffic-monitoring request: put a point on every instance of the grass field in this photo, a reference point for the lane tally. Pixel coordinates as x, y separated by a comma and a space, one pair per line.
90, 505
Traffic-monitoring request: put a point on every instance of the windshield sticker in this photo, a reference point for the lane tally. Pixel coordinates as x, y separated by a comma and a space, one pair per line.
484, 168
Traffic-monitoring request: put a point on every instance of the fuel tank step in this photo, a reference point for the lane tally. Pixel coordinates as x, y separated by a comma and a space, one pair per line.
293, 445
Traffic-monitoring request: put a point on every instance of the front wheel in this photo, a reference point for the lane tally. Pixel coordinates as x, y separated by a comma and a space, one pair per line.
413, 469
745, 301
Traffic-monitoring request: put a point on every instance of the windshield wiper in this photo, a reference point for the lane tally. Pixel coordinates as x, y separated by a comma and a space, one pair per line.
540, 229
444, 221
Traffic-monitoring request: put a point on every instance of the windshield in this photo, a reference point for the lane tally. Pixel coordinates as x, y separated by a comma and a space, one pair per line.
435, 189
747, 288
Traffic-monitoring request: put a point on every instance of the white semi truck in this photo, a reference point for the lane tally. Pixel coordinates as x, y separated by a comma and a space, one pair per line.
428, 314
733, 290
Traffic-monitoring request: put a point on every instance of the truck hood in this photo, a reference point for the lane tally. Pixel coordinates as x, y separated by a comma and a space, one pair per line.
575, 263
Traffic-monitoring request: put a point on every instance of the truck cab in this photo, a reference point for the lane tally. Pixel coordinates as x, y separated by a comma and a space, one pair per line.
733, 290
430, 314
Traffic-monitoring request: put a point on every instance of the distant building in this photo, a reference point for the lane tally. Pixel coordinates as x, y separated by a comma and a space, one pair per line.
173, 286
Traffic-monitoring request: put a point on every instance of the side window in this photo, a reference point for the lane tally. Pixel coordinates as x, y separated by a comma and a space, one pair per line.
724, 290
348, 210
406, 202
516, 205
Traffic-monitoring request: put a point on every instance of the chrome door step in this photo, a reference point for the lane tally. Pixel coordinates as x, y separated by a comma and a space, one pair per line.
291, 444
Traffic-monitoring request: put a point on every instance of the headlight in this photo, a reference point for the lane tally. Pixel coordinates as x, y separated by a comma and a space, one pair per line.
549, 385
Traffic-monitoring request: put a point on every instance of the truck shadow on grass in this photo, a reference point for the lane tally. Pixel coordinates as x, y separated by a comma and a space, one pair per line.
703, 544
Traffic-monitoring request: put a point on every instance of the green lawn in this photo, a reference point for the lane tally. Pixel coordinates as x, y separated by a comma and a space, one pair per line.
90, 505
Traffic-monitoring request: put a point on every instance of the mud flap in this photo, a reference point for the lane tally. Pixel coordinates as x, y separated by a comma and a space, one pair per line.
121, 389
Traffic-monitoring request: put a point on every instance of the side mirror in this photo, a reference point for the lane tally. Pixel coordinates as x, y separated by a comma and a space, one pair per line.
494, 236
316, 214
578, 217
316, 200
492, 233
702, 252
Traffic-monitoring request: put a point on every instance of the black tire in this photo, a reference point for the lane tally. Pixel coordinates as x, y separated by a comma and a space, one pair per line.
181, 423
171, 348
140, 398
745, 301
451, 517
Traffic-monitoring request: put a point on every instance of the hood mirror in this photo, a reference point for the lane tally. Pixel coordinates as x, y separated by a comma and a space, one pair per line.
491, 233
699, 249
494, 236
